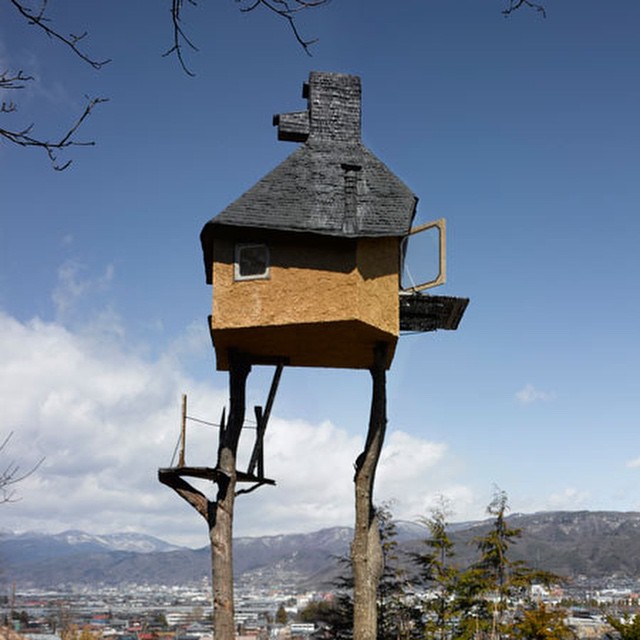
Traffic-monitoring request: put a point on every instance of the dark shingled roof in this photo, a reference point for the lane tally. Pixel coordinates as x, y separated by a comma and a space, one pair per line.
332, 185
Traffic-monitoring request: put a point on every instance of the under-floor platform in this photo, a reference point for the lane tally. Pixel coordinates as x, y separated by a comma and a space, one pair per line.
209, 473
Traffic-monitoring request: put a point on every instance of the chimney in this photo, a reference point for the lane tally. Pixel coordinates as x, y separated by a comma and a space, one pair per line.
333, 113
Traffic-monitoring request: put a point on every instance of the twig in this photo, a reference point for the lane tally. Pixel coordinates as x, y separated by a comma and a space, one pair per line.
10, 81
257, 485
24, 138
286, 9
179, 35
514, 5
10, 475
72, 41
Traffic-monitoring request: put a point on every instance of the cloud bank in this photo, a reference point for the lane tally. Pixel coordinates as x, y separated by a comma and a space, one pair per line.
105, 417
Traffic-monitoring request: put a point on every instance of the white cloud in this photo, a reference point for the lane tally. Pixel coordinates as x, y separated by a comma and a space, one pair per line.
529, 394
106, 418
314, 466
413, 472
73, 285
633, 464
567, 499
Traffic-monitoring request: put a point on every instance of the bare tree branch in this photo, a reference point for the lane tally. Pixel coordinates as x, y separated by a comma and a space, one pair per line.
514, 5
179, 35
252, 488
286, 9
40, 20
24, 138
10, 475
9, 81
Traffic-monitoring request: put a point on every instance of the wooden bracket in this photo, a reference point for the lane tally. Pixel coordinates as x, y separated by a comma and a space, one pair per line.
262, 418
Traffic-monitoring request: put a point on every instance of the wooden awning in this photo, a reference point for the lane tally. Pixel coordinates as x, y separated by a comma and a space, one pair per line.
421, 312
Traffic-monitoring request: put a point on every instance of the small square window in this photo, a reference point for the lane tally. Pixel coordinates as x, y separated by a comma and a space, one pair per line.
251, 262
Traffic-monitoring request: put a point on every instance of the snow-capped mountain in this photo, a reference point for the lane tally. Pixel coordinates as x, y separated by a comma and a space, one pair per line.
588, 544
138, 542
33, 546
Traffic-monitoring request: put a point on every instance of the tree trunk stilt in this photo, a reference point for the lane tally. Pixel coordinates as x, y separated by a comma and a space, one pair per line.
221, 525
366, 549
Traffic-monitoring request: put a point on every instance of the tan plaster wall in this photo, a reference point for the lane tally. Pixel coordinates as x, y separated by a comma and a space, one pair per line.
313, 282
342, 344
378, 262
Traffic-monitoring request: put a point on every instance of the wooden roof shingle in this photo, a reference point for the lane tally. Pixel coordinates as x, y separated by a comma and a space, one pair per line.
332, 184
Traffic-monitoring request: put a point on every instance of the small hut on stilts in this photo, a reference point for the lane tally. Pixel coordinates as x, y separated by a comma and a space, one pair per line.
306, 272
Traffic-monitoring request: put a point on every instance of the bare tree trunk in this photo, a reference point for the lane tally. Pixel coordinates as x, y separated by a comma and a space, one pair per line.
366, 549
221, 531
219, 513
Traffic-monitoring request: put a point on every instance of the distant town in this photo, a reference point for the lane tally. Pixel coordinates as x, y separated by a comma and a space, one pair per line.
74, 586
143, 612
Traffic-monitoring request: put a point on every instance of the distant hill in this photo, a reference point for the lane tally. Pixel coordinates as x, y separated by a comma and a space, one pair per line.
581, 544
34, 547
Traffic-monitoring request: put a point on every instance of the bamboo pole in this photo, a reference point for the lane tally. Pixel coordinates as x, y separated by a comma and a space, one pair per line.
183, 431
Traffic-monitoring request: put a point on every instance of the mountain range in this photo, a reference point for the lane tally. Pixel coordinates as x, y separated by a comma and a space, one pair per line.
581, 545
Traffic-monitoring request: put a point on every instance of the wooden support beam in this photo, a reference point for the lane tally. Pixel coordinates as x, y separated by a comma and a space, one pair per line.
219, 513
211, 474
192, 495
262, 418
257, 455
366, 549
221, 534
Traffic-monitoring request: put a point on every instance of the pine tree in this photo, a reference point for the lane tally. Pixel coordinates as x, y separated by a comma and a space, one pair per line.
629, 628
478, 602
497, 574
281, 615
394, 612
541, 623
438, 573
500, 579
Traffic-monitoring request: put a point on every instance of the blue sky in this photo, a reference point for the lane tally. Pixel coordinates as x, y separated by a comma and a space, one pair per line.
522, 132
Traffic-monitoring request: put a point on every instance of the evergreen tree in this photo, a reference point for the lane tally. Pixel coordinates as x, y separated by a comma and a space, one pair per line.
438, 573
478, 602
628, 628
342, 626
281, 615
326, 612
541, 623
497, 575
394, 613
499, 579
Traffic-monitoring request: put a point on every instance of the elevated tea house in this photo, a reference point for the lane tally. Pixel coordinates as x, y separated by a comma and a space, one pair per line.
306, 271
306, 264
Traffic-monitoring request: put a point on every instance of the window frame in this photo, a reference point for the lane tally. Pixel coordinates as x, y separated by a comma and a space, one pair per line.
237, 275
